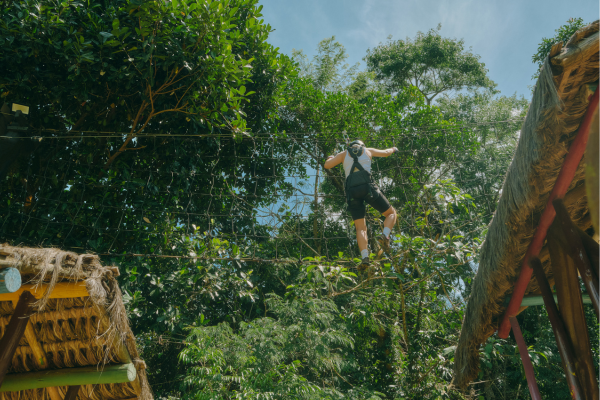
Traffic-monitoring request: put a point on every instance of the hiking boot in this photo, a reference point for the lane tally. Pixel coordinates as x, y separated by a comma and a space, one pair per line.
384, 242
366, 262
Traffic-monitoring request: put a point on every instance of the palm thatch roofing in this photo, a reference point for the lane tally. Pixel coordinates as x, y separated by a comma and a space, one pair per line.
79, 321
560, 100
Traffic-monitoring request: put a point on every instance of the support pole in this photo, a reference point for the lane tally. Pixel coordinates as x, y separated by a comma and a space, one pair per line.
62, 290
565, 177
570, 305
527, 366
94, 375
124, 357
562, 340
14, 332
41, 360
72, 392
592, 249
10, 280
578, 253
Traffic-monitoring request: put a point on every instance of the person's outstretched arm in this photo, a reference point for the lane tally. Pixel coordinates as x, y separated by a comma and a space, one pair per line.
382, 153
332, 161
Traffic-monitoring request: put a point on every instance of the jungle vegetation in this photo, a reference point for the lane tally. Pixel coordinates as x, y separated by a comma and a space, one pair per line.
228, 304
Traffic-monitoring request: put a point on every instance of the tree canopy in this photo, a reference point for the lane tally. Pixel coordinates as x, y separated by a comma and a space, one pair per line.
120, 64
430, 62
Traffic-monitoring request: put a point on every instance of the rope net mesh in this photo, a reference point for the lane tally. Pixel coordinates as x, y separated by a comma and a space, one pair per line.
267, 197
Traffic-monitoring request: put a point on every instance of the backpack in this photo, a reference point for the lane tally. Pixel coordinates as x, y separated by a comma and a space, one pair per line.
358, 176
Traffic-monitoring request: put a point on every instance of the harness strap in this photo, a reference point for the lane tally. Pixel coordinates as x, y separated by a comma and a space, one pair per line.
356, 164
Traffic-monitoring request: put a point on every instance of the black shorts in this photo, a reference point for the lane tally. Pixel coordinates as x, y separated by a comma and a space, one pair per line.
358, 195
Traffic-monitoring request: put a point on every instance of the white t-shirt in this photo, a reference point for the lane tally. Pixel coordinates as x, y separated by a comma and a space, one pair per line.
363, 160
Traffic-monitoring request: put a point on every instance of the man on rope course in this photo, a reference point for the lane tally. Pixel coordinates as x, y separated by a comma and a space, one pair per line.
360, 188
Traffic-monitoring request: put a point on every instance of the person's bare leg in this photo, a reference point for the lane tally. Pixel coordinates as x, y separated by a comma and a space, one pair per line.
361, 233
388, 224
390, 218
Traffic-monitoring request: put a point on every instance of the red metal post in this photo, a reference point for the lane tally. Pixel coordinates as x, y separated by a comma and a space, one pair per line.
565, 177
531, 383
560, 333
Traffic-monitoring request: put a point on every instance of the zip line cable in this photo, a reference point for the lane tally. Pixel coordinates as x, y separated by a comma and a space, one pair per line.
257, 200
248, 135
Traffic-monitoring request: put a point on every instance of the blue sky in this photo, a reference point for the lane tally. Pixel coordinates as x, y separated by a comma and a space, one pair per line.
504, 33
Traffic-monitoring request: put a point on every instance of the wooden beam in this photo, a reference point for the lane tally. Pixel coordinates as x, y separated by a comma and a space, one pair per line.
54, 393
39, 355
574, 196
577, 252
570, 307
592, 174
62, 290
562, 340
72, 392
10, 280
14, 332
592, 249
527, 366
124, 357
95, 375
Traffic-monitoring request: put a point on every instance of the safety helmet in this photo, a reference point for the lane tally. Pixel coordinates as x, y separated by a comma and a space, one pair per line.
356, 147
356, 142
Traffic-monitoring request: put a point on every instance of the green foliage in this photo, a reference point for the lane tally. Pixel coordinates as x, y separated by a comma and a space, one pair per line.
170, 67
430, 62
502, 369
331, 334
186, 67
497, 121
119, 64
328, 73
298, 353
327, 70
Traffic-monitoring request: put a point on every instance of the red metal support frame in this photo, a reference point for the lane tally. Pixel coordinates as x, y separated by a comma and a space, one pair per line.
565, 177
527, 365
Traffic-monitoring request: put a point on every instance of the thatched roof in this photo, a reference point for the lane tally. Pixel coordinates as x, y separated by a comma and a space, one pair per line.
560, 99
86, 326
